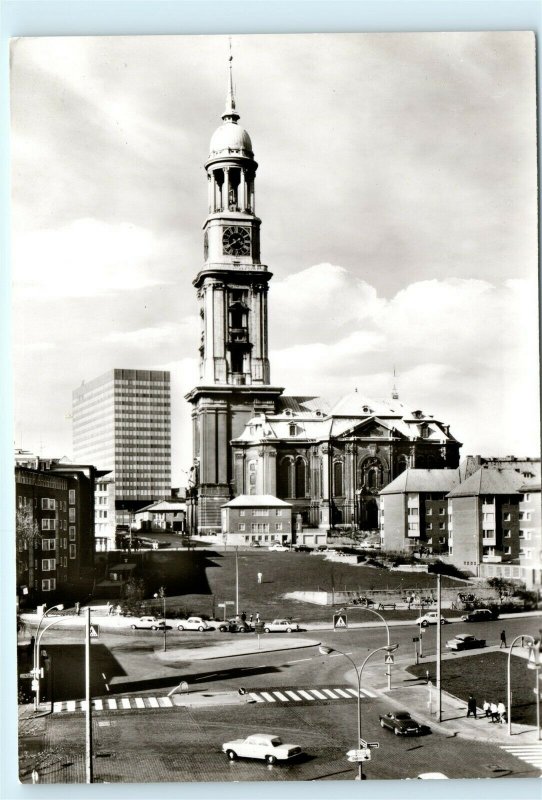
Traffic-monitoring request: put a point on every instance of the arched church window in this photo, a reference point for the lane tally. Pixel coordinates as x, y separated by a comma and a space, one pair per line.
285, 477
372, 474
338, 488
300, 478
292, 430
402, 464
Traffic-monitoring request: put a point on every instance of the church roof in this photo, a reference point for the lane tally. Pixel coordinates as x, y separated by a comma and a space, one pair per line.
423, 480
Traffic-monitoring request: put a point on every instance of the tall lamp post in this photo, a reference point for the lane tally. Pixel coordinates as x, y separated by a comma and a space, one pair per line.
59, 607
509, 679
162, 594
326, 651
372, 611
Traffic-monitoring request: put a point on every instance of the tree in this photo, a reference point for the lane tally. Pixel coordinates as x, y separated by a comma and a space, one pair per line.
133, 594
26, 534
503, 587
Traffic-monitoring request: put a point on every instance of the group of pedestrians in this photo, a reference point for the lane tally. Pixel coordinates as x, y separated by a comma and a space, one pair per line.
494, 712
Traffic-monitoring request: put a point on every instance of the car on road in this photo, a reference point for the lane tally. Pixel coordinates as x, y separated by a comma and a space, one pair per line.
255, 544
464, 641
151, 623
235, 626
402, 724
302, 548
193, 624
429, 776
479, 615
285, 625
278, 548
261, 745
431, 618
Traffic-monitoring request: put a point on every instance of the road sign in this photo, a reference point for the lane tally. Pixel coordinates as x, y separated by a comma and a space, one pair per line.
370, 745
359, 755
26, 674
534, 658
94, 632
340, 621
389, 659
415, 638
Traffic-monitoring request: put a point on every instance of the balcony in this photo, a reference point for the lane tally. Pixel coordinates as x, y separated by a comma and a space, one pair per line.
491, 559
238, 379
489, 541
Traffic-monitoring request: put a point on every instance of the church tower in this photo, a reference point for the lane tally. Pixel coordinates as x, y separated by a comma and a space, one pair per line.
232, 290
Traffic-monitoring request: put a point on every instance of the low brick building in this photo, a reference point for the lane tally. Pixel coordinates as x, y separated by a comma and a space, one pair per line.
263, 519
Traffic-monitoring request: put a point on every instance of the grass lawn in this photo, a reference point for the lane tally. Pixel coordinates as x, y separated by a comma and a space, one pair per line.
289, 572
484, 676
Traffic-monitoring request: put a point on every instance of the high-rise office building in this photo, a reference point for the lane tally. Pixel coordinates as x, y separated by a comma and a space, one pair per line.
122, 422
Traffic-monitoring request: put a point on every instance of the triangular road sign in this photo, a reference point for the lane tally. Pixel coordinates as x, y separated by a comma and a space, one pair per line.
340, 621
389, 659
94, 632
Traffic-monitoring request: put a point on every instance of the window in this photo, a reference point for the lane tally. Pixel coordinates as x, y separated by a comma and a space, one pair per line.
506, 516
442, 510
48, 524
525, 515
264, 512
72, 514
48, 544
413, 526
413, 512
64, 543
338, 478
279, 512
72, 533
72, 551
488, 517
47, 504
429, 512
507, 533
278, 526
65, 561
526, 498
242, 512
241, 526
65, 525
442, 540
71, 497
48, 564
508, 551
442, 526
429, 526
48, 585
525, 534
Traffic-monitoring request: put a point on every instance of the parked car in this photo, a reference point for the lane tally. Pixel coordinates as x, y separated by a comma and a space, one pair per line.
464, 641
285, 625
235, 626
193, 624
302, 548
402, 724
427, 776
261, 745
151, 623
479, 615
255, 544
431, 618
278, 548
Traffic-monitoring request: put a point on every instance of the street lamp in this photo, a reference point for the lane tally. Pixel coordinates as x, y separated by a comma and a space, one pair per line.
508, 684
366, 608
59, 607
326, 651
162, 593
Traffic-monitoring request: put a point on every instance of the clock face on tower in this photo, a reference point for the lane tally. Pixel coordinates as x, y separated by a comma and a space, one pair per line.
236, 241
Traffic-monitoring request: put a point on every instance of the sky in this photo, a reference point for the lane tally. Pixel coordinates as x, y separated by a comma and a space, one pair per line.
397, 191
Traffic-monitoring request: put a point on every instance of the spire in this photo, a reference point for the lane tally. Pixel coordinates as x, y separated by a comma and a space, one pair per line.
230, 114
394, 392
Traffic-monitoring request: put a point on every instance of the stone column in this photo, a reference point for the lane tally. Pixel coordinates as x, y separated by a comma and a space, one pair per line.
242, 198
326, 511
220, 332
222, 444
226, 190
210, 202
350, 480
209, 356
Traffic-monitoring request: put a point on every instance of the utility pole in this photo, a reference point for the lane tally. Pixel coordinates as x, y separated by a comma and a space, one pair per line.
88, 737
439, 631
237, 580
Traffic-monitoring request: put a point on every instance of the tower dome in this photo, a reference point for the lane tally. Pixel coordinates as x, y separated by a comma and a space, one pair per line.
230, 138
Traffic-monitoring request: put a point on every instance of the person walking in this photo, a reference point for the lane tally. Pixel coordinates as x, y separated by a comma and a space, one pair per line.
251, 618
503, 639
257, 616
486, 708
260, 576
494, 709
471, 706
501, 708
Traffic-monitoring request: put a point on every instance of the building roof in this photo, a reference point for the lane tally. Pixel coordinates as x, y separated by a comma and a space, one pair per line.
163, 506
490, 480
423, 480
256, 501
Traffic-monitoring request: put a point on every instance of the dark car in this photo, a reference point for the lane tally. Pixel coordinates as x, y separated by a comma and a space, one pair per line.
235, 626
479, 615
402, 724
302, 548
464, 641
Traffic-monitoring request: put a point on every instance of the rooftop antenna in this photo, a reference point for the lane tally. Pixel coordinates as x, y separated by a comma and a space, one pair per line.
394, 392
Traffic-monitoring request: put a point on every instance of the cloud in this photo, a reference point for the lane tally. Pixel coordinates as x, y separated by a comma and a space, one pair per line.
156, 336
86, 258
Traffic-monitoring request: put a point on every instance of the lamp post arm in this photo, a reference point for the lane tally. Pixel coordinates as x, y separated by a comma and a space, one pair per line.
39, 634
509, 679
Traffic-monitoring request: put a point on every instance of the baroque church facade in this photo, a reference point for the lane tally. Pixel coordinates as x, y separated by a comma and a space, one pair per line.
328, 461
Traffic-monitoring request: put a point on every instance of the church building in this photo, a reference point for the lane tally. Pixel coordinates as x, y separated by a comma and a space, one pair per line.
328, 461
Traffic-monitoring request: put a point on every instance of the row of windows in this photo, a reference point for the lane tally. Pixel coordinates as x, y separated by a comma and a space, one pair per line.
262, 512
260, 526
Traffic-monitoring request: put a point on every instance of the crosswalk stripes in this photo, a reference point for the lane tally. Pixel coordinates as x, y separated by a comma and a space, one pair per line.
278, 696
530, 753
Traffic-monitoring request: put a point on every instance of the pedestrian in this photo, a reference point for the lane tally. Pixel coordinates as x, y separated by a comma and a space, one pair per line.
260, 576
243, 616
109, 609
494, 709
257, 616
501, 708
471, 706
251, 618
78, 608
31, 645
486, 707
503, 639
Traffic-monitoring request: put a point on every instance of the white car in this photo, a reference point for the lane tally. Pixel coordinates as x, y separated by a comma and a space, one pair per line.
261, 745
193, 624
431, 618
284, 625
279, 548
